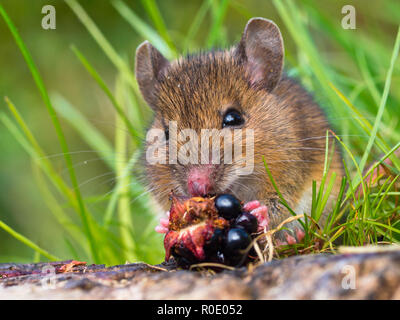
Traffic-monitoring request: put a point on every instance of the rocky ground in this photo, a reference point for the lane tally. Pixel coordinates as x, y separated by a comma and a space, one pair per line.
368, 274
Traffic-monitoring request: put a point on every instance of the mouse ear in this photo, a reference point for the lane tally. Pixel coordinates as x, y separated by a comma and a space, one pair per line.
261, 51
148, 66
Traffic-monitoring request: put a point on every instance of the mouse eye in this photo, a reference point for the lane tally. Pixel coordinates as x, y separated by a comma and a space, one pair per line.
232, 118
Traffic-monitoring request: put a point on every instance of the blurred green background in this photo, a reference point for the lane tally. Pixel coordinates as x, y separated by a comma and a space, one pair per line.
351, 59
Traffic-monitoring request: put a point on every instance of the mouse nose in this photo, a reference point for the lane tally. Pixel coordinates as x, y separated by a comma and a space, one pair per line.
199, 181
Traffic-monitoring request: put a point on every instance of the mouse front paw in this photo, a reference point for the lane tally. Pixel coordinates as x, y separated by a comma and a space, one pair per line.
164, 223
288, 237
260, 212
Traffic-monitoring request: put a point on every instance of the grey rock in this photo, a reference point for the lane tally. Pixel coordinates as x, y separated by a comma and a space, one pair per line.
363, 275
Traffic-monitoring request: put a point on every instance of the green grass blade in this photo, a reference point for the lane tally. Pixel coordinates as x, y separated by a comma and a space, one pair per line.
134, 133
383, 102
97, 35
42, 89
363, 186
123, 179
27, 242
17, 134
395, 230
103, 43
291, 17
197, 21
36, 152
369, 81
366, 126
143, 29
219, 10
334, 215
242, 9
282, 199
56, 209
93, 137
119, 188
155, 15
385, 194
319, 199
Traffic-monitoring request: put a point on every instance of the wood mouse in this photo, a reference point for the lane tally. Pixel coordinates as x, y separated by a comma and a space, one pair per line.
243, 87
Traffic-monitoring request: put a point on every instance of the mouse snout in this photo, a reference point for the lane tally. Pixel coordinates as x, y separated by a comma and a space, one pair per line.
200, 181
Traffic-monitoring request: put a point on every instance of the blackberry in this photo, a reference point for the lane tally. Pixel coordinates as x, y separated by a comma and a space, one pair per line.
228, 206
214, 244
247, 221
236, 242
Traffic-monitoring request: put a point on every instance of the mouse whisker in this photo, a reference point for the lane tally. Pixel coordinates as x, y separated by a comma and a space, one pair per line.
55, 155
95, 178
298, 148
329, 136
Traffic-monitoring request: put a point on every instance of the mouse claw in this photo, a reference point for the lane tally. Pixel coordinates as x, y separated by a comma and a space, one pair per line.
280, 243
260, 212
164, 223
251, 205
299, 234
161, 229
292, 237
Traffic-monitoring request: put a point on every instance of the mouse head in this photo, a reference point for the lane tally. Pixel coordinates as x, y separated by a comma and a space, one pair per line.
222, 90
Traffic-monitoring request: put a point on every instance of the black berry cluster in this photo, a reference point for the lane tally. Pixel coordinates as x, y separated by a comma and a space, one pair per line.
235, 240
228, 243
